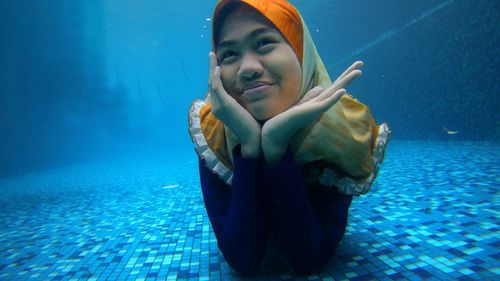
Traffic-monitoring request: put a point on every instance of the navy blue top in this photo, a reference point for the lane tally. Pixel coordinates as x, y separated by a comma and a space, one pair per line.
307, 220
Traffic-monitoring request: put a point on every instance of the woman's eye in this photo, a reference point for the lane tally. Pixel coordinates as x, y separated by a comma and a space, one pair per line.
227, 56
264, 45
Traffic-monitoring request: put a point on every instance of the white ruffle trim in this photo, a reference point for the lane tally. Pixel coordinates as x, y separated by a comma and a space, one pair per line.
347, 185
204, 152
329, 178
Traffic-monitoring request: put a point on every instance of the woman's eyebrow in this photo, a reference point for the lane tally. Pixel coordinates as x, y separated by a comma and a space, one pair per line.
251, 35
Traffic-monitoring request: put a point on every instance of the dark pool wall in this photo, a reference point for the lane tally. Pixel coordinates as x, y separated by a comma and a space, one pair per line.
54, 104
431, 66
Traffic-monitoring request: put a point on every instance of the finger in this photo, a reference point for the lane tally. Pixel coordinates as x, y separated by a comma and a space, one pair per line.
218, 90
334, 88
212, 64
217, 82
347, 80
324, 94
311, 94
354, 66
332, 99
342, 83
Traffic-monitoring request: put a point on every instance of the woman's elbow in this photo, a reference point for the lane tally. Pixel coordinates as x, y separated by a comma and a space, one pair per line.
244, 261
307, 266
244, 267
309, 261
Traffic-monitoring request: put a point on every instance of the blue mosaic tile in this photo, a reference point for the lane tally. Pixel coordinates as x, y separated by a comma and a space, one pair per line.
433, 214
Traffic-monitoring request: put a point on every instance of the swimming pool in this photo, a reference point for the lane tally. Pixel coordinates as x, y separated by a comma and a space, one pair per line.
433, 214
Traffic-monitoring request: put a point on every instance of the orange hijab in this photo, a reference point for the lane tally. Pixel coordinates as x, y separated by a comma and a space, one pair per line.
342, 148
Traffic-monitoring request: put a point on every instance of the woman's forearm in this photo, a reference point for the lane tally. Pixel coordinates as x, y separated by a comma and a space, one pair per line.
293, 219
237, 213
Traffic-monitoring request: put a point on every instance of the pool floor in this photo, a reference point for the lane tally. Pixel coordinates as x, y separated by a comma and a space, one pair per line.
433, 214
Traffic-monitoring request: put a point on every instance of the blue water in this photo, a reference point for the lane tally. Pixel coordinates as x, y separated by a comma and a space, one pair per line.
98, 175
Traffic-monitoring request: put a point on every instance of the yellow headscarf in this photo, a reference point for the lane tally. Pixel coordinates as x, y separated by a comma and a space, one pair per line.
342, 147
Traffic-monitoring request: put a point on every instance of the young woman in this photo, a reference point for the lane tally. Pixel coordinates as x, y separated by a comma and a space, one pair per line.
282, 149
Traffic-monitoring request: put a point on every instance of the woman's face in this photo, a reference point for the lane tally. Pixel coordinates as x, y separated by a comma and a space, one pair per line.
259, 68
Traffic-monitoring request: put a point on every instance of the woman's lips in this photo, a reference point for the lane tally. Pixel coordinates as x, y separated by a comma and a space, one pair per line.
256, 89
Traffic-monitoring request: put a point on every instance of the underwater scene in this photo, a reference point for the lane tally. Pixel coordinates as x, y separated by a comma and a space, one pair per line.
100, 179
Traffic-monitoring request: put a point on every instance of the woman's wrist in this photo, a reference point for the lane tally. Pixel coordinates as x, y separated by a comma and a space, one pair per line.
251, 149
273, 151
274, 143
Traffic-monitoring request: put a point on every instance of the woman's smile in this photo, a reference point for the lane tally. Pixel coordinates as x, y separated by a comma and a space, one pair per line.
256, 90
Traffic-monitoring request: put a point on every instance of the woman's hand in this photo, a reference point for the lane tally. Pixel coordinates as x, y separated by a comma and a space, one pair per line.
232, 114
277, 132
353, 68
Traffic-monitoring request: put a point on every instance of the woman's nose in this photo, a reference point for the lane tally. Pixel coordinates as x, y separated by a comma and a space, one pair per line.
250, 67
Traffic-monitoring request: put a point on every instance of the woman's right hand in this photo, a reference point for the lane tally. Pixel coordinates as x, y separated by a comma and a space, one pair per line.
232, 114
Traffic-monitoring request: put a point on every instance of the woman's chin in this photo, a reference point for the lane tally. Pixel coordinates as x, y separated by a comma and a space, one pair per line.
261, 116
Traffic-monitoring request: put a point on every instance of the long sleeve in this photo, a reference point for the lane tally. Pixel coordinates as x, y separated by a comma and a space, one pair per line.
307, 225
237, 212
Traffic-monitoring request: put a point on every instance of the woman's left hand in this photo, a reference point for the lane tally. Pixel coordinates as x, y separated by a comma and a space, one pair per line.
277, 131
